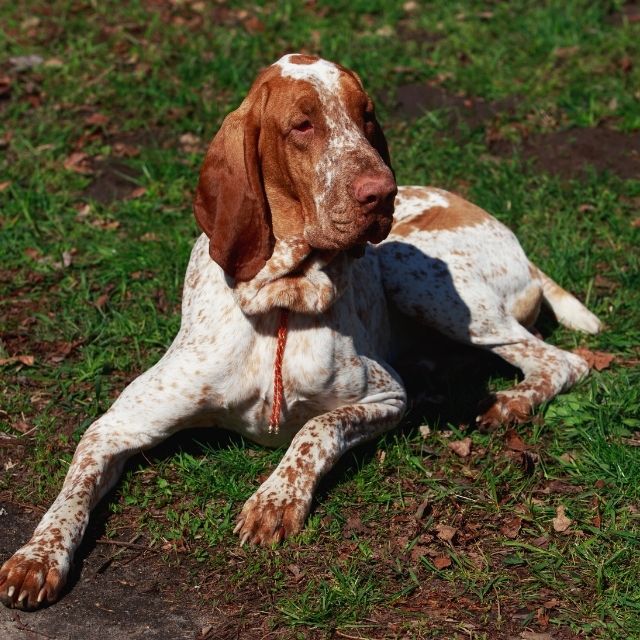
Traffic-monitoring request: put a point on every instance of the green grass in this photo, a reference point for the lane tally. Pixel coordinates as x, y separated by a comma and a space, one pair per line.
159, 73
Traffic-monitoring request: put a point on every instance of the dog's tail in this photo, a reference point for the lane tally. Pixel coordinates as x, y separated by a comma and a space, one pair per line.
568, 310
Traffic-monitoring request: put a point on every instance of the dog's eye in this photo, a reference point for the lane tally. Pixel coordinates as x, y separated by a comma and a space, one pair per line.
303, 127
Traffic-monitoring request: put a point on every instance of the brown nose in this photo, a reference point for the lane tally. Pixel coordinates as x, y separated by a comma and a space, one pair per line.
374, 189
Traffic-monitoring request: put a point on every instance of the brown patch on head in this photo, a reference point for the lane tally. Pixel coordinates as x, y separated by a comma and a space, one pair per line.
459, 213
302, 58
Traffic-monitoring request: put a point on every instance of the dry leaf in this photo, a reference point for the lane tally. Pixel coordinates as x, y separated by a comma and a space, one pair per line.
253, 25
561, 522
5, 185
563, 488
21, 426
532, 635
150, 236
597, 360
441, 562
422, 509
511, 527
462, 447
122, 150
190, 143
565, 52
79, 162
445, 532
101, 300
514, 441
107, 225
424, 431
22, 359
136, 193
96, 119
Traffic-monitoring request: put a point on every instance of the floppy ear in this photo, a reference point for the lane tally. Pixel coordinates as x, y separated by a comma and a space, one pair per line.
377, 139
230, 203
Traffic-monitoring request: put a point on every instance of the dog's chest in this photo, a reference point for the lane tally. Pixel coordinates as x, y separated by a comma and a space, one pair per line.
321, 370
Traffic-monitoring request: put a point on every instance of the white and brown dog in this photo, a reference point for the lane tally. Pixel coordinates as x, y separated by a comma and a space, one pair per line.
286, 334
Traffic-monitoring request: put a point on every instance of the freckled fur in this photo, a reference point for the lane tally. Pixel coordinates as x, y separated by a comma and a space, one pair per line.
445, 264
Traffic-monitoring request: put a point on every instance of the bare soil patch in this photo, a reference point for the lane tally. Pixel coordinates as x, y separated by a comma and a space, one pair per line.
415, 99
132, 595
115, 180
572, 152
629, 12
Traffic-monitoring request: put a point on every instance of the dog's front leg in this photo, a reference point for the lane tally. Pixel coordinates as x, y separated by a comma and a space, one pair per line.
154, 406
280, 506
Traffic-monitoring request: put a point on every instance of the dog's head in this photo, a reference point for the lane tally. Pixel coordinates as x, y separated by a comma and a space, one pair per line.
303, 158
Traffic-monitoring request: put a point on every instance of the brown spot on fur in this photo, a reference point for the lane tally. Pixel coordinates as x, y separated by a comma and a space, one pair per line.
301, 58
526, 307
459, 213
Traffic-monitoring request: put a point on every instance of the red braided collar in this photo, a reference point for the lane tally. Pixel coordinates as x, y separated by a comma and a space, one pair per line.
278, 392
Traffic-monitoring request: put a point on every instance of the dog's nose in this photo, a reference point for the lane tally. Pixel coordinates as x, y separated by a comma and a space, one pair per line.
373, 189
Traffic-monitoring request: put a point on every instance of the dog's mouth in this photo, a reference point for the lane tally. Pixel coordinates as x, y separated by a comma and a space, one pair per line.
346, 234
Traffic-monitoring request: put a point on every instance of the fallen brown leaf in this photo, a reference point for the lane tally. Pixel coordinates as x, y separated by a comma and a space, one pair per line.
514, 441
79, 162
561, 522
5, 185
21, 426
511, 527
563, 488
22, 359
96, 119
122, 150
441, 562
353, 526
445, 532
597, 360
136, 193
461, 448
423, 507
101, 300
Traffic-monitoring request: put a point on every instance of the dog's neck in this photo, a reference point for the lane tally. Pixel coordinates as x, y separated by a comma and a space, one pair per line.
295, 277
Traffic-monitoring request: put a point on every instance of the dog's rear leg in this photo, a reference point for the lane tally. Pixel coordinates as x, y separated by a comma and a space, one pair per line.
547, 371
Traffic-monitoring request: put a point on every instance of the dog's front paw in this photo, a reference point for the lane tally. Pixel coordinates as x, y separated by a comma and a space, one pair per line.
28, 581
270, 516
504, 409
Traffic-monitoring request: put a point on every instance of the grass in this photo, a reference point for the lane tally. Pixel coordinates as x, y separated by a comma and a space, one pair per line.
363, 566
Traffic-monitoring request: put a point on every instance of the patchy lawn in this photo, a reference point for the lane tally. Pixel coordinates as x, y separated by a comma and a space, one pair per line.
531, 110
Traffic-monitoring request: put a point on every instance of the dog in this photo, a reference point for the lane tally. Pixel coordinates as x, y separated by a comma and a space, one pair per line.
287, 334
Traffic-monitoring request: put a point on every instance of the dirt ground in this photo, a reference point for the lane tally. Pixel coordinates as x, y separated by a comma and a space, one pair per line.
114, 592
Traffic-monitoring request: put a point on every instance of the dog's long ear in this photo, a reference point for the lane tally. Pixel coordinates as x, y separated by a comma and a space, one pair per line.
375, 135
230, 203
